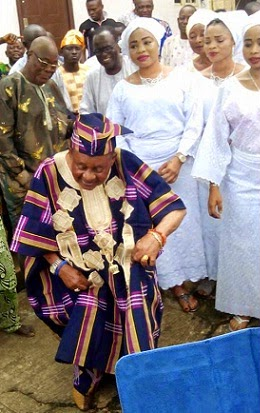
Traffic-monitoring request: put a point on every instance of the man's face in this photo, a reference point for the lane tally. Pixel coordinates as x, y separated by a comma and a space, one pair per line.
42, 65
71, 53
106, 50
14, 51
95, 10
143, 8
90, 171
183, 19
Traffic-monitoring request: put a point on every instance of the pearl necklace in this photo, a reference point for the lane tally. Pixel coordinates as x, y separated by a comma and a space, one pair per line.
219, 80
253, 81
150, 81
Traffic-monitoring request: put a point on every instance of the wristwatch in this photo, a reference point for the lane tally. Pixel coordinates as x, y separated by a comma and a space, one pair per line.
182, 158
54, 265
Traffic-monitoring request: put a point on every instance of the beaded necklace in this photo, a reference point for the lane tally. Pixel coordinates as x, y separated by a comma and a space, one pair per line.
219, 80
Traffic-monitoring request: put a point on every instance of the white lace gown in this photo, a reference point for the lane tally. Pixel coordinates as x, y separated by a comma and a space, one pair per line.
210, 226
167, 118
229, 153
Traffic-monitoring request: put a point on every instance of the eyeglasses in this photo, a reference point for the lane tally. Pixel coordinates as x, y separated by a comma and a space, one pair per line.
46, 64
106, 49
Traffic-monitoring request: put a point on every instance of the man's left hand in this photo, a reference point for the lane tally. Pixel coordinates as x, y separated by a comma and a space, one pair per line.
146, 250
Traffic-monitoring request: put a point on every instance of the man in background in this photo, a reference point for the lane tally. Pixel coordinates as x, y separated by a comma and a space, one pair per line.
70, 76
97, 18
112, 67
144, 8
14, 51
33, 122
176, 49
31, 32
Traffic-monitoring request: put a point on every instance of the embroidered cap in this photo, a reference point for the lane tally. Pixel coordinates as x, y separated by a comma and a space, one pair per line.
94, 134
73, 37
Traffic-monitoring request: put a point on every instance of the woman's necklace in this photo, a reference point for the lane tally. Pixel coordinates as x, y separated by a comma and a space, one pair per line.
218, 80
150, 81
253, 81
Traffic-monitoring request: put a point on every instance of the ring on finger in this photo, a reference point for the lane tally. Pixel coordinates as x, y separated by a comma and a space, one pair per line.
144, 258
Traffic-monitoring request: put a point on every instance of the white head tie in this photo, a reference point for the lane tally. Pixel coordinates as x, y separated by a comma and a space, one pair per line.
147, 23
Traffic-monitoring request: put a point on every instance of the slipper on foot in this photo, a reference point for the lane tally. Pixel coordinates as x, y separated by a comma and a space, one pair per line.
185, 298
239, 322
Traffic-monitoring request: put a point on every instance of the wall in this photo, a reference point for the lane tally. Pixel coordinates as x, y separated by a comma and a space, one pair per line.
164, 9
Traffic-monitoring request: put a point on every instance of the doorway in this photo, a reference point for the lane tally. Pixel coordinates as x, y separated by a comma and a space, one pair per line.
56, 16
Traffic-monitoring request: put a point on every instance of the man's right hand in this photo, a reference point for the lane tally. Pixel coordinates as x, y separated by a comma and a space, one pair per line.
9, 38
73, 278
215, 204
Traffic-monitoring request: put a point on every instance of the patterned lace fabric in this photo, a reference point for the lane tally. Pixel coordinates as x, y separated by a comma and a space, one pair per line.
233, 122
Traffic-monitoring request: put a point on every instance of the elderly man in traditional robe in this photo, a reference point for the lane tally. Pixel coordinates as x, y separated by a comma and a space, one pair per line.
33, 122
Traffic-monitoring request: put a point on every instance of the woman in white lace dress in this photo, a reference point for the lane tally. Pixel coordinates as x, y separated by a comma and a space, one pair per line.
229, 154
221, 36
163, 110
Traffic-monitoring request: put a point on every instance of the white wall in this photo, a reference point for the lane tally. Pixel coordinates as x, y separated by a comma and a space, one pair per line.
8, 22
164, 9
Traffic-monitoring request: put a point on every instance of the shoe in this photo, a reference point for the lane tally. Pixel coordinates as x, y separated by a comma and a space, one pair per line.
205, 289
241, 323
83, 402
25, 331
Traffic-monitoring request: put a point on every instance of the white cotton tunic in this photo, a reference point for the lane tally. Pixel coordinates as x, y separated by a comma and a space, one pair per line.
229, 153
99, 86
167, 118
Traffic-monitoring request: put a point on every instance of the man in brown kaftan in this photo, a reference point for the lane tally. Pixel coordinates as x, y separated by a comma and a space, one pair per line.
33, 122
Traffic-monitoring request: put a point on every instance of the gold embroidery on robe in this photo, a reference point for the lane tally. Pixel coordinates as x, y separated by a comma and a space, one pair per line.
9, 91
24, 107
115, 188
5, 129
61, 221
68, 199
94, 260
51, 101
37, 154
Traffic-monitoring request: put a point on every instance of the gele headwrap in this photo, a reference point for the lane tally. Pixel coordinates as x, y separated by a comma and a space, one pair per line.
73, 37
201, 16
253, 20
94, 134
147, 23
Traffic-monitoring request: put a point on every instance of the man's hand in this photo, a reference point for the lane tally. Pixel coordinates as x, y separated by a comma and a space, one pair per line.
73, 278
147, 248
215, 205
170, 170
9, 38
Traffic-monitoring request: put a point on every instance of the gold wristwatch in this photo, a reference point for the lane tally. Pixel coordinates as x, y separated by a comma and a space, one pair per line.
182, 158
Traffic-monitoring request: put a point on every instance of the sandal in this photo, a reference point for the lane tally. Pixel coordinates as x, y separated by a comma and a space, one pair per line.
205, 289
241, 323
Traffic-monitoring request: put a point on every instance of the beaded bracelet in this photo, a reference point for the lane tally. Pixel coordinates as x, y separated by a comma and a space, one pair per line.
59, 267
161, 238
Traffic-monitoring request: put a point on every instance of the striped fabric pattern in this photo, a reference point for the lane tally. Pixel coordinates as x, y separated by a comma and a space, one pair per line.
102, 323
